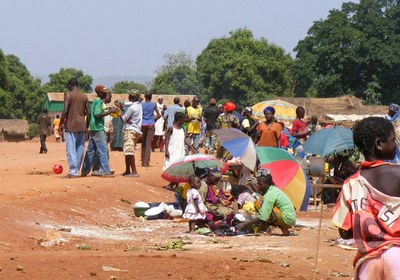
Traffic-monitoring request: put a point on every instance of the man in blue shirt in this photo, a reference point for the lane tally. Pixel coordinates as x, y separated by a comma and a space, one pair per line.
170, 112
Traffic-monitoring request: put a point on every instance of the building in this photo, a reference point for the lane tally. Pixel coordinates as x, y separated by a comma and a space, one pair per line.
54, 101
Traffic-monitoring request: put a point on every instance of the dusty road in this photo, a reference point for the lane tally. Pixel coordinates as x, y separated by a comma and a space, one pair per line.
89, 230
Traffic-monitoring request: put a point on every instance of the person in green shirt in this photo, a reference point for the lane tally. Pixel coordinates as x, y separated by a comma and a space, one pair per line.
97, 137
276, 208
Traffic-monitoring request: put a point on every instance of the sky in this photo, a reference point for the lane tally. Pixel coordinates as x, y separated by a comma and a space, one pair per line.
130, 37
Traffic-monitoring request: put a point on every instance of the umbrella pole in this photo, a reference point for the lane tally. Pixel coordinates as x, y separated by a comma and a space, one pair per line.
315, 270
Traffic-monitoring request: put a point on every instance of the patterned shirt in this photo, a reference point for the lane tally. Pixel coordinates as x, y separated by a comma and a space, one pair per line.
170, 114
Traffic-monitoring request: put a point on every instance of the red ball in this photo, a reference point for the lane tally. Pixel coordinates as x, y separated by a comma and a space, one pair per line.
57, 168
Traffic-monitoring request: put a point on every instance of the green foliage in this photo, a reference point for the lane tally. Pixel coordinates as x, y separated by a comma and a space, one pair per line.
356, 50
177, 76
3, 71
58, 81
244, 69
18, 89
125, 86
371, 94
33, 130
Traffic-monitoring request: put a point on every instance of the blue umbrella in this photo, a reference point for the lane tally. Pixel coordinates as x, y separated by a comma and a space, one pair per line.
396, 123
239, 145
329, 140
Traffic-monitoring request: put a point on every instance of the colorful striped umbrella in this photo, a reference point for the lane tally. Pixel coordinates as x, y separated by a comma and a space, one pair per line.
239, 145
180, 170
287, 175
284, 111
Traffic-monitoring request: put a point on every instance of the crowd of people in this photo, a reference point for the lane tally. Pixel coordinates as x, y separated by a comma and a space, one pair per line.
366, 209
123, 124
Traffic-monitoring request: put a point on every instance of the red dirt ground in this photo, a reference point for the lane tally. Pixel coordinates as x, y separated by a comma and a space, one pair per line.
92, 213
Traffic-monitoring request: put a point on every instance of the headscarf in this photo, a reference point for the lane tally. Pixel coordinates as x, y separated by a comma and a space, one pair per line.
271, 109
394, 107
249, 181
263, 172
248, 109
229, 107
134, 93
215, 171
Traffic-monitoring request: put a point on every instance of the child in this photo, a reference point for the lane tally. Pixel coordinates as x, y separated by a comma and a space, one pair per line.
56, 124
276, 208
175, 141
195, 210
132, 130
299, 127
242, 195
368, 205
284, 137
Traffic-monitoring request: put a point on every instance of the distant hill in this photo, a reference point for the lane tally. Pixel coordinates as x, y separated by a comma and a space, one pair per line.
108, 81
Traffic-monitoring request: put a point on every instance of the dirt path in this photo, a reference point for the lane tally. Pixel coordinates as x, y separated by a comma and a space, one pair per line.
90, 231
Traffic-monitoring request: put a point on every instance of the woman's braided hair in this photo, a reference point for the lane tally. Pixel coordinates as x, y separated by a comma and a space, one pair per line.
368, 130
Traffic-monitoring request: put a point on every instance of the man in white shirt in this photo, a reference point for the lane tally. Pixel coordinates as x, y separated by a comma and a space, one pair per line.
132, 130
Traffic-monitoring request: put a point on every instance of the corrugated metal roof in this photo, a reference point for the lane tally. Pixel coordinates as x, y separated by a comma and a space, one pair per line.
168, 99
351, 117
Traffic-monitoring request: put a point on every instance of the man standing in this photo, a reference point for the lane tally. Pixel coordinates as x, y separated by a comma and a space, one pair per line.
158, 140
169, 114
210, 117
97, 136
148, 128
132, 130
194, 115
44, 122
76, 108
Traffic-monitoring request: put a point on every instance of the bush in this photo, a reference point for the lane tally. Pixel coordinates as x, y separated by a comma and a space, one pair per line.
33, 130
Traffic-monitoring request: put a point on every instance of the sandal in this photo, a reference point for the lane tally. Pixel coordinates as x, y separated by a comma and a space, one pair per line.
132, 175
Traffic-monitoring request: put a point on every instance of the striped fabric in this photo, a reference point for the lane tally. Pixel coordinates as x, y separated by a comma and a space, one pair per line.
371, 214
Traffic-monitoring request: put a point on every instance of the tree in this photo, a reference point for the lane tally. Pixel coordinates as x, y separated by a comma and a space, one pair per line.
24, 89
125, 86
244, 69
177, 76
58, 81
354, 51
3, 70
18, 90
